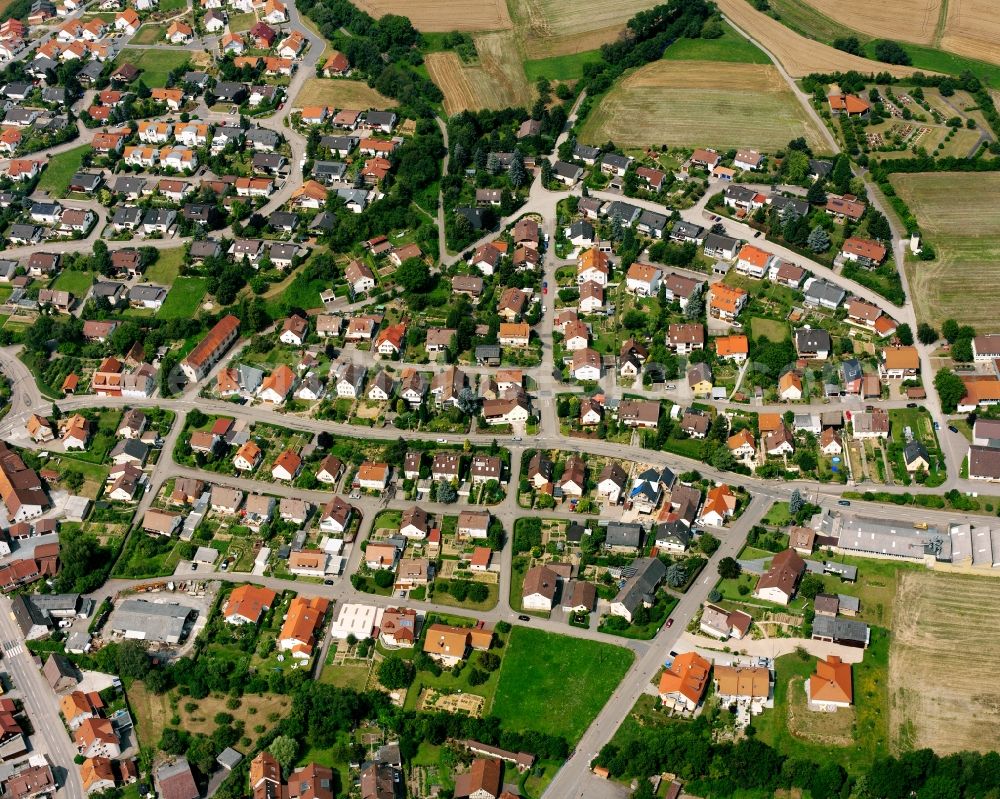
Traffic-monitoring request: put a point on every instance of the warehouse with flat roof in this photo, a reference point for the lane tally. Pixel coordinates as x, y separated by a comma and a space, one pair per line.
157, 622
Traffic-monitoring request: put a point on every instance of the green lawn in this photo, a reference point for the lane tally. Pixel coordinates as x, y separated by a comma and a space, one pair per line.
242, 22
60, 170
150, 34
871, 708
166, 268
572, 676
770, 329
560, 67
156, 65
77, 283
184, 298
728, 47
442, 598
778, 515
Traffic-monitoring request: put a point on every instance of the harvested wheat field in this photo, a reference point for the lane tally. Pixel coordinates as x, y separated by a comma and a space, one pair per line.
444, 15
497, 81
957, 215
797, 54
698, 103
338, 93
972, 29
560, 27
906, 20
942, 690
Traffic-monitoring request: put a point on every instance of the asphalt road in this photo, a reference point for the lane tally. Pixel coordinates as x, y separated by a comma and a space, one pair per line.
41, 705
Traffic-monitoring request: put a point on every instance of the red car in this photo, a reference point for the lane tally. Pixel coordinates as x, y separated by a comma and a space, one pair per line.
670, 623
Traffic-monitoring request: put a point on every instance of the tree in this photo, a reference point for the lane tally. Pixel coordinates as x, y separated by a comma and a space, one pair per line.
878, 226
132, 660
961, 350
516, 173
819, 240
196, 418
950, 389
722, 458
676, 575
926, 334
841, 175
447, 493
477, 676
891, 52
729, 568
806, 460
468, 402
546, 171
696, 303
384, 578
796, 166
904, 334
849, 44
949, 329
414, 275
708, 544
810, 586
395, 673
816, 195
285, 750
796, 503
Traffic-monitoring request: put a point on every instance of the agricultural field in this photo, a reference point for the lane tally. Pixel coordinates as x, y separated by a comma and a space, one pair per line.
814, 19
341, 94
560, 27
497, 81
909, 20
444, 15
972, 28
797, 54
957, 216
944, 626
726, 105
539, 667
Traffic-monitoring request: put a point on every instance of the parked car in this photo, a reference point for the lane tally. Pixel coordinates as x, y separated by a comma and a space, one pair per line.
524, 618
844, 502
670, 623
953, 428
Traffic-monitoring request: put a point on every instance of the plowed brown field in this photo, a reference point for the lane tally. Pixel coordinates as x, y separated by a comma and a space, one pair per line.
444, 15
906, 20
945, 644
973, 29
797, 54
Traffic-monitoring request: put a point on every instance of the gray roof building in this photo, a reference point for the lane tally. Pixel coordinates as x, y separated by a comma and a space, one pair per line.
622, 535
640, 587
161, 622
849, 632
